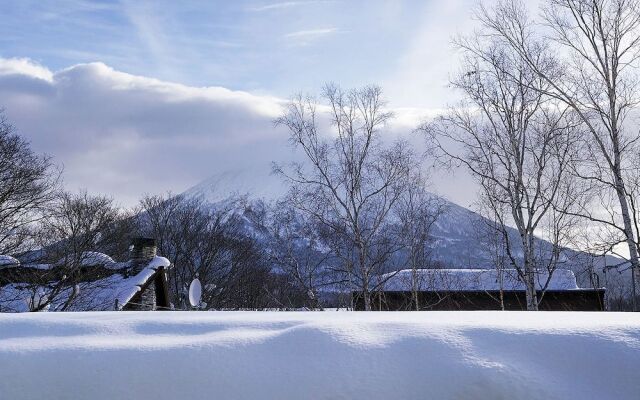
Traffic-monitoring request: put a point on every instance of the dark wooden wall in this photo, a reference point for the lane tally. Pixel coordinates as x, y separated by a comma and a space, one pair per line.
553, 300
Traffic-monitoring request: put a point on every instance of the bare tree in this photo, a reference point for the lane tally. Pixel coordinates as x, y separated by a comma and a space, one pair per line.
77, 223
350, 182
593, 48
27, 184
518, 144
75, 229
488, 232
207, 241
298, 249
190, 235
417, 211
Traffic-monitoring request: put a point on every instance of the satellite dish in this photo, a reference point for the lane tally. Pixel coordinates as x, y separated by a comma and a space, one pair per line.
195, 293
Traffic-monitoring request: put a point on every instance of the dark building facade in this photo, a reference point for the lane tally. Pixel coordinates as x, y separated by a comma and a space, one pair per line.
514, 300
476, 289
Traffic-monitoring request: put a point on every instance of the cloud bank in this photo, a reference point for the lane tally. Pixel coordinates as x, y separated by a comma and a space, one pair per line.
126, 135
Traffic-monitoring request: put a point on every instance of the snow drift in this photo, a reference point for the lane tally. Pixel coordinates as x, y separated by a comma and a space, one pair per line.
321, 355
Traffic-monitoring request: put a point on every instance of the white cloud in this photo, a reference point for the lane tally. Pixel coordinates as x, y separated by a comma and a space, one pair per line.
126, 135
276, 6
24, 66
281, 5
311, 33
305, 37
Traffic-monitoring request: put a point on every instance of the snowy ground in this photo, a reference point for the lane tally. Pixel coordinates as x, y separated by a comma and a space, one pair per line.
322, 355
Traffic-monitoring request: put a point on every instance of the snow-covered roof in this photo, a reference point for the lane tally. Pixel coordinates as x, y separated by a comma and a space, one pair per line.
8, 261
92, 258
94, 295
475, 279
127, 288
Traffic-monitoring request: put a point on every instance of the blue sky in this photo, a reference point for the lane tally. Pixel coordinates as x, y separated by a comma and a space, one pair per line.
259, 46
108, 88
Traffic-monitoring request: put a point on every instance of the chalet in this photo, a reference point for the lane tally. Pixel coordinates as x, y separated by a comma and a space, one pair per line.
479, 289
98, 284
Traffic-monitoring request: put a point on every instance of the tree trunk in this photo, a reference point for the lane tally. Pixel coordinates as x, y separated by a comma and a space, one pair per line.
530, 276
501, 282
414, 279
629, 236
532, 296
367, 299
414, 289
364, 273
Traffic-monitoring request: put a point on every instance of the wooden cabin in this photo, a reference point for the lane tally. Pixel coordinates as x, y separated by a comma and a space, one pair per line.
479, 289
98, 283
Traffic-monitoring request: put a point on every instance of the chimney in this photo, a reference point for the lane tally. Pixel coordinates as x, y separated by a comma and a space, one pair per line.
142, 251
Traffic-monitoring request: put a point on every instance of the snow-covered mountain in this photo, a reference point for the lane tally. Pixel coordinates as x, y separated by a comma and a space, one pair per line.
456, 237
239, 182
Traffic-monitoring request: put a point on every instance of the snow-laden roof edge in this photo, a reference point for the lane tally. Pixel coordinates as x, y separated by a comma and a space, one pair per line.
100, 294
131, 286
474, 280
8, 261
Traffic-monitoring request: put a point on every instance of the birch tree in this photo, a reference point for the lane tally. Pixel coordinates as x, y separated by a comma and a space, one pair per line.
350, 181
518, 144
586, 52
417, 211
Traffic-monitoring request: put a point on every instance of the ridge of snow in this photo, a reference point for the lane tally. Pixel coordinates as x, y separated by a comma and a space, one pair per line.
321, 355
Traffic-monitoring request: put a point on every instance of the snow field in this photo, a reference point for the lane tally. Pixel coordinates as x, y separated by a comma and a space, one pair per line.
320, 355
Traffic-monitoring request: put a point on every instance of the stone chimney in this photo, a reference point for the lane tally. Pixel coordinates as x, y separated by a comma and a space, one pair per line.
142, 251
